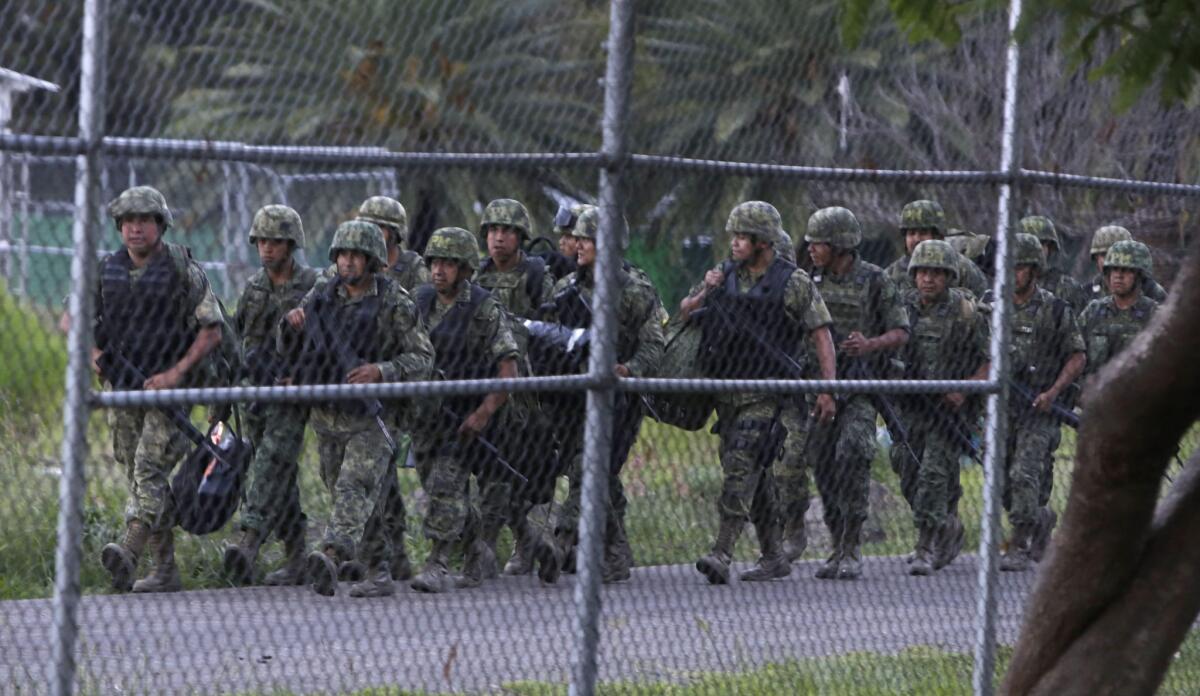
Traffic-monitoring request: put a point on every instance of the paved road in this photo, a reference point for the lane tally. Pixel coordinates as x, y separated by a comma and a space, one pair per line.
661, 625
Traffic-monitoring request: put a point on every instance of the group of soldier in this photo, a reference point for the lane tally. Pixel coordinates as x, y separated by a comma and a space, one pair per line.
381, 312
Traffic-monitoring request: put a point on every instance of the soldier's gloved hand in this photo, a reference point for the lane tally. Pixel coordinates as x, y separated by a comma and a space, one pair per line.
955, 400
475, 424
714, 278
295, 318
365, 374
825, 408
168, 379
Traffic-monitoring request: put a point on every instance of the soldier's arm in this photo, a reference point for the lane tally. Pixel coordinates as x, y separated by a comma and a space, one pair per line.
652, 339
413, 360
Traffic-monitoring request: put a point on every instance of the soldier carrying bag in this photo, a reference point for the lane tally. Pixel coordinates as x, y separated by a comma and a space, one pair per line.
690, 411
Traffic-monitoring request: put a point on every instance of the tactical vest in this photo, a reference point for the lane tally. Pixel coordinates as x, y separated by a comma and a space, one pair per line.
939, 345
748, 335
353, 322
454, 355
1110, 330
532, 268
260, 309
1034, 361
147, 319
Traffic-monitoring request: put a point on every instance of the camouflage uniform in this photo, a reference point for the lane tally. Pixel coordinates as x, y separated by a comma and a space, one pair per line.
840, 453
1108, 329
753, 326
929, 215
356, 464
151, 315
1044, 335
409, 269
271, 499
1103, 239
640, 343
1054, 279
948, 341
521, 290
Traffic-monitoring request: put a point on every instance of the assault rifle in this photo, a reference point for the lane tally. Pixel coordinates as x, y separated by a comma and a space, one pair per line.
123, 374
328, 341
1061, 413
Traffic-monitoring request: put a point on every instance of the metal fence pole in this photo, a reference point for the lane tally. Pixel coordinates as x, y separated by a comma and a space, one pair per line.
598, 429
997, 403
79, 355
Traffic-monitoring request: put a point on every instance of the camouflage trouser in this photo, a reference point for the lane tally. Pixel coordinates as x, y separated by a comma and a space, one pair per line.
1031, 439
748, 491
930, 485
791, 471
840, 454
395, 516
356, 468
271, 500
1048, 472
148, 446
627, 420
444, 467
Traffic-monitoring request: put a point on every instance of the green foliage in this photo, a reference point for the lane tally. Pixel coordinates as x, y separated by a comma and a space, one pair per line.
35, 360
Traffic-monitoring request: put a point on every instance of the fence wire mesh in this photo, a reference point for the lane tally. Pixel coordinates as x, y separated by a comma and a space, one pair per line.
463, 507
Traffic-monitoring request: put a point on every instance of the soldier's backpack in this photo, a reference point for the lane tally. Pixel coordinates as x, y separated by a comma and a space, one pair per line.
690, 411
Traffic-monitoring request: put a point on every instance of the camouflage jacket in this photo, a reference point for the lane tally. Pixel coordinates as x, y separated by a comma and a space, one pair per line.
1060, 284
1045, 333
969, 276
949, 337
410, 270
1108, 329
512, 288
262, 305
863, 299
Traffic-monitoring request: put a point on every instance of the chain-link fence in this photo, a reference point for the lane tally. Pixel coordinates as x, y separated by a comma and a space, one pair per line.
442, 530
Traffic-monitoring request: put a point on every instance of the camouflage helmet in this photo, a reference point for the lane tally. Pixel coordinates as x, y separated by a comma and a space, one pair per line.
587, 225
835, 226
1041, 227
1107, 236
1129, 253
934, 253
506, 211
923, 215
453, 243
1029, 251
567, 217
383, 210
277, 222
758, 219
359, 235
141, 200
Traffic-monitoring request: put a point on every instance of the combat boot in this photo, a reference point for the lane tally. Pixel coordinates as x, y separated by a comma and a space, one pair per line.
566, 541
1017, 559
949, 542
549, 560
829, 569
352, 570
165, 577
521, 562
795, 540
617, 557
477, 558
922, 558
1046, 521
489, 566
851, 566
240, 557
435, 576
715, 565
771, 563
120, 560
378, 583
322, 567
292, 572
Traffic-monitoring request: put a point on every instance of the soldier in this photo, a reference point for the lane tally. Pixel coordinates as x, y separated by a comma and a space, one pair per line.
1102, 241
564, 222
472, 340
640, 343
757, 310
1110, 323
154, 309
362, 316
1053, 278
922, 220
1047, 356
521, 283
949, 341
272, 497
405, 265
868, 323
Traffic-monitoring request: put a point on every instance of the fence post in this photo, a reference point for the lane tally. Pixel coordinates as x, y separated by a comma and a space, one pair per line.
997, 403
79, 354
597, 444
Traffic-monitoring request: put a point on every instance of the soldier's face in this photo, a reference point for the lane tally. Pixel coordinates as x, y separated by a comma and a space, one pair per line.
352, 266
1122, 281
914, 237
741, 247
140, 233
391, 235
931, 283
820, 253
503, 241
445, 274
1024, 275
1098, 259
568, 246
585, 252
273, 253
